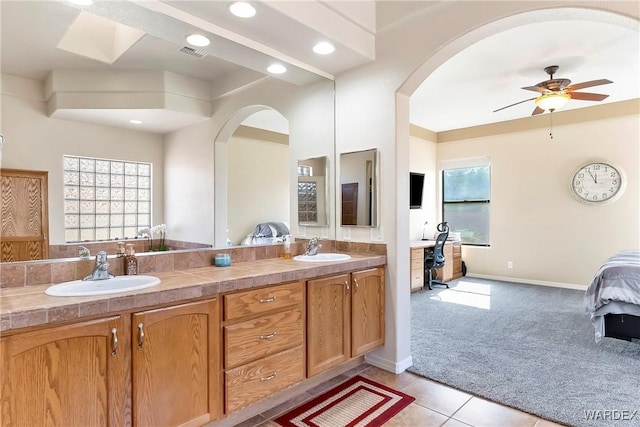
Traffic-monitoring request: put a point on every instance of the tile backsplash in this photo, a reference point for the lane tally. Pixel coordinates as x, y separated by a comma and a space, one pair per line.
28, 273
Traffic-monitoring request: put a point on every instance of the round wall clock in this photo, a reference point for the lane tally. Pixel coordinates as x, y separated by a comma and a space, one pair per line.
597, 182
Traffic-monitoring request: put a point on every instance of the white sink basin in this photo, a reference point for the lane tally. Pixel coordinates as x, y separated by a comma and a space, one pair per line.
322, 257
101, 287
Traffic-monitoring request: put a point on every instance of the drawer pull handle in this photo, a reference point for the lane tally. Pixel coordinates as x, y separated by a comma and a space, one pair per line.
347, 288
269, 336
357, 285
114, 342
140, 336
269, 378
272, 299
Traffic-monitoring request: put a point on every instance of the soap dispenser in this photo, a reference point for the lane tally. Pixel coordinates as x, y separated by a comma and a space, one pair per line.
130, 261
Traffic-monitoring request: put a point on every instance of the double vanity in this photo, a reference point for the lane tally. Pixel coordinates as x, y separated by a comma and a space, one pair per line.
202, 344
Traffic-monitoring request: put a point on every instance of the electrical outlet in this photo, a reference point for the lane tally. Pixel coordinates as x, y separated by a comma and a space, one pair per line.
509, 264
376, 235
346, 233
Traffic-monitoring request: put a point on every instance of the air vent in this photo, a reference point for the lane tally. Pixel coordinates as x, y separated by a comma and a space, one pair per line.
193, 52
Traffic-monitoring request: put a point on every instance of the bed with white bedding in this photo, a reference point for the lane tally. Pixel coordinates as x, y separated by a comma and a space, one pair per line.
613, 297
266, 233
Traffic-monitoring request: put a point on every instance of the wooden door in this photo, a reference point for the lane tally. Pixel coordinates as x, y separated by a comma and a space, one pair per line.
367, 310
24, 230
328, 328
350, 204
176, 365
72, 375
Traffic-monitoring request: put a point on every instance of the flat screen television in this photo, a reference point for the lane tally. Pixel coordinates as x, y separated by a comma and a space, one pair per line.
416, 185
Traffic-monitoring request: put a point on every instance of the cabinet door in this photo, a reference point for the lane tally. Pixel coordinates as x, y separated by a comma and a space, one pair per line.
72, 375
328, 327
367, 310
176, 365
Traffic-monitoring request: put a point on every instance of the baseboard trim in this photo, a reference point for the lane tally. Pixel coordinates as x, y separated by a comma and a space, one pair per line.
530, 282
388, 365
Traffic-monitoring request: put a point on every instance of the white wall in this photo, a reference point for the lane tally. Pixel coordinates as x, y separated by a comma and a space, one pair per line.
535, 222
258, 185
36, 142
423, 160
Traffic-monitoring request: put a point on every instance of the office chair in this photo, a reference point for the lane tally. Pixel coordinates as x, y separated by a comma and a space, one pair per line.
434, 258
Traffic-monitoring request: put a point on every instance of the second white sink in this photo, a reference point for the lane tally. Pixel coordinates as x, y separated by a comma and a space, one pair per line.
322, 257
101, 287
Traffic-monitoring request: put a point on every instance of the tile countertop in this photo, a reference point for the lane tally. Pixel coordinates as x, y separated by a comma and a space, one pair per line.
30, 306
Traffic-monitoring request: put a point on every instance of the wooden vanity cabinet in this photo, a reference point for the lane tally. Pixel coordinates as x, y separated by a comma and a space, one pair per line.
345, 318
176, 365
71, 375
263, 342
92, 373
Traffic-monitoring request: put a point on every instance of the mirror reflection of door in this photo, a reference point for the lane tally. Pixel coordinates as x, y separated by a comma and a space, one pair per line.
350, 203
25, 217
358, 180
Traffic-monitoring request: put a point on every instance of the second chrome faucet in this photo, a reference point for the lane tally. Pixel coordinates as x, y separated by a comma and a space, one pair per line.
312, 246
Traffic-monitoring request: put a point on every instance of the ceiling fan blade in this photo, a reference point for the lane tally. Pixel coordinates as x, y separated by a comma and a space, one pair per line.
534, 88
585, 96
591, 83
526, 100
537, 111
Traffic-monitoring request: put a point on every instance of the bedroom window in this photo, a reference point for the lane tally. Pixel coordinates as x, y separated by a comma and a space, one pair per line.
466, 197
105, 199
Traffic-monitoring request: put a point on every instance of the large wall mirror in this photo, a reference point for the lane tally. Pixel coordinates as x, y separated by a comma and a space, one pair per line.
177, 138
359, 188
313, 194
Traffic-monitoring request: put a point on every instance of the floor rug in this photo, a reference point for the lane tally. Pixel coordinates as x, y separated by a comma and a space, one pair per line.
528, 347
356, 402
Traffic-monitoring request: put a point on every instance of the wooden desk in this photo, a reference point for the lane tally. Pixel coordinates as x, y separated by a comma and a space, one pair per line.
452, 264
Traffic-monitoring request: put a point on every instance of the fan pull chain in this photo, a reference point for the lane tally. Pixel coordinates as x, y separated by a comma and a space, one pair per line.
551, 124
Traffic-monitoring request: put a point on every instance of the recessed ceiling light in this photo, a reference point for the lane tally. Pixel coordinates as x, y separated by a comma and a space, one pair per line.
277, 69
323, 48
198, 40
81, 2
135, 122
242, 9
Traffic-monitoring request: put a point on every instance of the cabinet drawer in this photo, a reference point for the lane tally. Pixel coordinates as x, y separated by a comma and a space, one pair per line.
417, 254
417, 264
262, 378
264, 336
448, 250
417, 279
262, 300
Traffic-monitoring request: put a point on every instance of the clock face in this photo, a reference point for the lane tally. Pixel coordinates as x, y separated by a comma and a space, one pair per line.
597, 182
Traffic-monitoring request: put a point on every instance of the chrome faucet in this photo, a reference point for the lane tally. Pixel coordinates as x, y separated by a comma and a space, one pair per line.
312, 246
101, 270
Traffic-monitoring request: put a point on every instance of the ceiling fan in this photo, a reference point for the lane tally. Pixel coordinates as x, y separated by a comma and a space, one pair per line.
555, 93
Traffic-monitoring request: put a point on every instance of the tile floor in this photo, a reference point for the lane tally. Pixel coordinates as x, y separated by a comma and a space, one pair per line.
435, 405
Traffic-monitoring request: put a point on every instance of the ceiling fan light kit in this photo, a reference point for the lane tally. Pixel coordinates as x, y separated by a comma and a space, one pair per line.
552, 101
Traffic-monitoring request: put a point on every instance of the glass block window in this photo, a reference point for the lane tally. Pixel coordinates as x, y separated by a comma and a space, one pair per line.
105, 199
